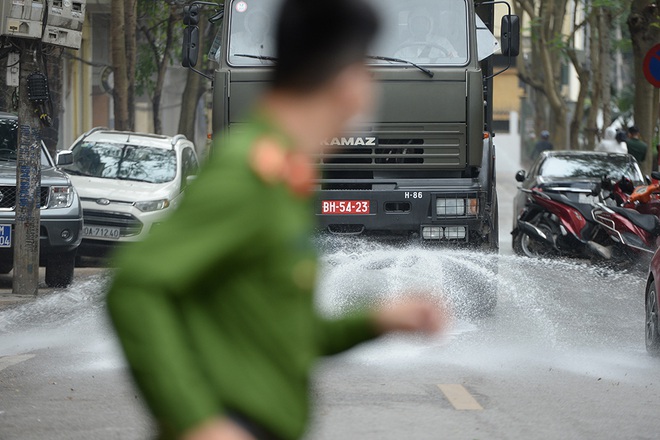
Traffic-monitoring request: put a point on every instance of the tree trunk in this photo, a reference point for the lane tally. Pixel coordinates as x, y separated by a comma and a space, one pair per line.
130, 19
119, 65
591, 130
162, 64
644, 25
604, 58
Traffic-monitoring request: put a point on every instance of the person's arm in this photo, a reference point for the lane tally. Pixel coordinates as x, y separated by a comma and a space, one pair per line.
341, 334
414, 314
200, 240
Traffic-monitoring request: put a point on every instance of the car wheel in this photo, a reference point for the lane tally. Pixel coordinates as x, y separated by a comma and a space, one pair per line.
652, 337
59, 269
5, 268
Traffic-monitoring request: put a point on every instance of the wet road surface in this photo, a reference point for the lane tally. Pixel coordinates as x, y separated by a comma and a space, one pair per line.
562, 356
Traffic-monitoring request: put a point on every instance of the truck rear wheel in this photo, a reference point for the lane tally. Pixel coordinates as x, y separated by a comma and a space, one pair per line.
59, 269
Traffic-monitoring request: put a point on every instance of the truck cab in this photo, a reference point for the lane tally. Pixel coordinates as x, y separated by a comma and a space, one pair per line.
423, 165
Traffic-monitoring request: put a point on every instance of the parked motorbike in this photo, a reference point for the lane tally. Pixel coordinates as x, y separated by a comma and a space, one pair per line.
554, 224
633, 225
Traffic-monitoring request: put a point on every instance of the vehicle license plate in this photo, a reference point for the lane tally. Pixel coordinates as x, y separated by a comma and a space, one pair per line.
345, 207
5, 236
101, 232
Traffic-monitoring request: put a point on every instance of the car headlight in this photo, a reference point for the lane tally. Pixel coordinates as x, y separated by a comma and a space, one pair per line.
60, 197
152, 205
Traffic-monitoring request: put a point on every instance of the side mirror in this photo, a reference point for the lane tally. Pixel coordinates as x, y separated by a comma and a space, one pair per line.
655, 175
191, 15
190, 179
520, 176
190, 51
64, 158
510, 35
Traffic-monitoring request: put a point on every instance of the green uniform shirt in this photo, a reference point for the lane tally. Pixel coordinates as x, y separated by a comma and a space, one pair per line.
637, 149
215, 309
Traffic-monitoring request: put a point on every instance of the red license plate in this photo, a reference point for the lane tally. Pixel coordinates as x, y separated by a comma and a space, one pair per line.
345, 207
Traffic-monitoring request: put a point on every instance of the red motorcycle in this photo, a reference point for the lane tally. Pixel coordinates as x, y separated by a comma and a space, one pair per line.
559, 222
633, 225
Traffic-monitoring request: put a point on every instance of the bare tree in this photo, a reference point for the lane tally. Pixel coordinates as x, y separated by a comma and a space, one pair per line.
159, 23
543, 72
130, 19
119, 65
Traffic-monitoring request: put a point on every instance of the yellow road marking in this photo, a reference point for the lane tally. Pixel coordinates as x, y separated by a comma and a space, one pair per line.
8, 361
459, 397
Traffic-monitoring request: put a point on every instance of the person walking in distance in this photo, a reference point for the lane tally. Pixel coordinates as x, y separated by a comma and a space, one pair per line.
636, 147
219, 326
542, 145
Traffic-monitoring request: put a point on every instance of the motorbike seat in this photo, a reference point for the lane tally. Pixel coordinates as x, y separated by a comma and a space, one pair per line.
648, 222
582, 208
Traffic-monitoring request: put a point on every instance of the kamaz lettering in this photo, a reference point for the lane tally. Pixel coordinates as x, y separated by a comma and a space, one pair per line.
352, 141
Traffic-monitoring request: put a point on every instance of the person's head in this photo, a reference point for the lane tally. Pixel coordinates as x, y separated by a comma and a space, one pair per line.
620, 136
633, 132
545, 135
321, 50
419, 23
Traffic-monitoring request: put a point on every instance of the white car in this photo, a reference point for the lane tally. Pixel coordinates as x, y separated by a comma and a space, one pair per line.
127, 182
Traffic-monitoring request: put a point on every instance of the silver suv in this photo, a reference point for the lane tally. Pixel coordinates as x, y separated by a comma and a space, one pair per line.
61, 213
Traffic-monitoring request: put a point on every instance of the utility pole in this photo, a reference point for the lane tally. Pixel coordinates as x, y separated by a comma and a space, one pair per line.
29, 27
28, 179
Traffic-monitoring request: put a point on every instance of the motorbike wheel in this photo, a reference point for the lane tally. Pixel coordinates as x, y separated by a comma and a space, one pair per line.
525, 246
652, 337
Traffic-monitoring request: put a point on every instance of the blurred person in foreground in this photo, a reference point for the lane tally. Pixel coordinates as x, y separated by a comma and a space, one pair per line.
215, 310
636, 147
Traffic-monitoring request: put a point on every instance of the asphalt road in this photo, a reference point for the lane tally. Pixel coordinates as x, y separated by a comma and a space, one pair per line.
562, 357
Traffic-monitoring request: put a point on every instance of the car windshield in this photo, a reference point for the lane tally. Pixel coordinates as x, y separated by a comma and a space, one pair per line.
429, 32
110, 160
591, 167
9, 141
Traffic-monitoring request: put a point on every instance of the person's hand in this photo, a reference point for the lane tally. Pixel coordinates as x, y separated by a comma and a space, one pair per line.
218, 429
415, 314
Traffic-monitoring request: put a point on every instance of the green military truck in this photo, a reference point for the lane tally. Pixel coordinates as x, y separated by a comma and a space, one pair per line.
423, 167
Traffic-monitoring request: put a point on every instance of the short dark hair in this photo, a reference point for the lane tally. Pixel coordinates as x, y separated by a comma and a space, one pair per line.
316, 39
633, 130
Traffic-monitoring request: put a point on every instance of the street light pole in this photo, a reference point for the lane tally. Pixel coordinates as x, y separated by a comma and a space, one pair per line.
28, 180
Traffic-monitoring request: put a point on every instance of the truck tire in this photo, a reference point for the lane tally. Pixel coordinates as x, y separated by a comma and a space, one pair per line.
59, 269
494, 237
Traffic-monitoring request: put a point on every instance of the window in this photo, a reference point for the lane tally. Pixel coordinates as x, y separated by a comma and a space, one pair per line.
189, 164
592, 166
110, 160
431, 32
